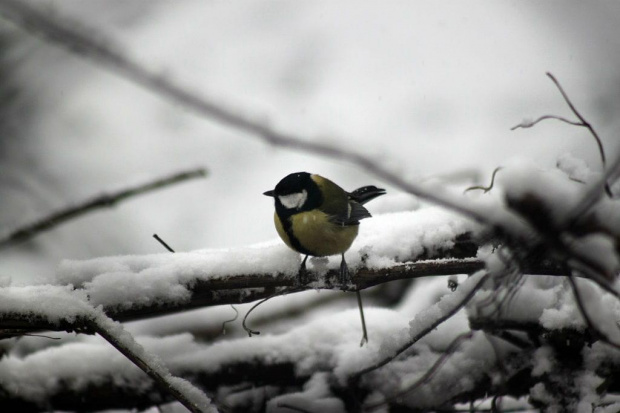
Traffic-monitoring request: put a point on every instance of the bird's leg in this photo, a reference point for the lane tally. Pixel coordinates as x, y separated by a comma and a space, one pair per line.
344, 276
302, 274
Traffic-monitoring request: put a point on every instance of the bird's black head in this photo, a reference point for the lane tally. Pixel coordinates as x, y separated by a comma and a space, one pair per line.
295, 193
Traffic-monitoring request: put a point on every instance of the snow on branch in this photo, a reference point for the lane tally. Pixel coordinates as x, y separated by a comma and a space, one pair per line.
427, 242
69, 309
293, 360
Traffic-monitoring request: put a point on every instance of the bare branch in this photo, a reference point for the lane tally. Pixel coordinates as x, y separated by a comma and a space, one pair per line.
163, 243
582, 123
531, 123
362, 318
101, 201
72, 36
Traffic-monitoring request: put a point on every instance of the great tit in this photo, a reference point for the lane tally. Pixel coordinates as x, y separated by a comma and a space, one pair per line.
314, 216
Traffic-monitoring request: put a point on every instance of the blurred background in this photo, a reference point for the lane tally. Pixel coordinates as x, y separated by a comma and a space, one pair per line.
431, 89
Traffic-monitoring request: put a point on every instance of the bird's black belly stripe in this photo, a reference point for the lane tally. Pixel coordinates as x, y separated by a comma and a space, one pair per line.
288, 228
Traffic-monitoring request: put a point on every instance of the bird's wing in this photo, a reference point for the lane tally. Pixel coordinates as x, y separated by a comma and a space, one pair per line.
355, 212
366, 194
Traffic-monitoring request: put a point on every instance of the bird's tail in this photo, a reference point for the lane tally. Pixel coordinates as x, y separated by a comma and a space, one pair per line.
366, 193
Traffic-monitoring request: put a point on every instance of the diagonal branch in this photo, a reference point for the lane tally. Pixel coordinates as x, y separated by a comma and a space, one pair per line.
583, 121
102, 201
86, 43
188, 395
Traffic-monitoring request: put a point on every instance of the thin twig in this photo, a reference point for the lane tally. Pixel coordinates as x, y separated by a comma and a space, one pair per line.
276, 294
583, 120
582, 123
162, 242
230, 320
102, 201
531, 123
485, 189
363, 319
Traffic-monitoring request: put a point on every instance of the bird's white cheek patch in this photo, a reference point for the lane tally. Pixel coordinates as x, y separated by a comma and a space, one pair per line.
296, 200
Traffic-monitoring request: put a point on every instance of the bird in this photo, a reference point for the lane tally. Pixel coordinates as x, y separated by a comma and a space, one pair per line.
318, 218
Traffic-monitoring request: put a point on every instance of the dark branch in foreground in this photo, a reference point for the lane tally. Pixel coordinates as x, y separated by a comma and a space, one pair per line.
86, 43
102, 201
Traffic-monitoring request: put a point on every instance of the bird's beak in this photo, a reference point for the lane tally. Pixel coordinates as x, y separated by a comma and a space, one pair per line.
269, 193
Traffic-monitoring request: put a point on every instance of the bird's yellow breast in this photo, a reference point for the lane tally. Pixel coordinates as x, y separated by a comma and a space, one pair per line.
316, 234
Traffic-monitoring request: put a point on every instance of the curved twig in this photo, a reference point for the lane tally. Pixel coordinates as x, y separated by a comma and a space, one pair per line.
583, 120
231, 320
582, 123
276, 294
485, 189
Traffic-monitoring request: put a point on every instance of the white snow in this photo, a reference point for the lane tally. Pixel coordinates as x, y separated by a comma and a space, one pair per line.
129, 280
53, 303
315, 397
383, 241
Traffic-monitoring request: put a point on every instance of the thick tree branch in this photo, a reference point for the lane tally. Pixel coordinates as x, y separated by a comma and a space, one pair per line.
251, 287
101, 201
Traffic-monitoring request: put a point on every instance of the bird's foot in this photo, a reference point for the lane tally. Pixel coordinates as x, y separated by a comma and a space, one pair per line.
302, 275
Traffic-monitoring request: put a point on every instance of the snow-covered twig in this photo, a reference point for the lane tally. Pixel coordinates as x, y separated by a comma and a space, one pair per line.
67, 308
100, 201
183, 391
